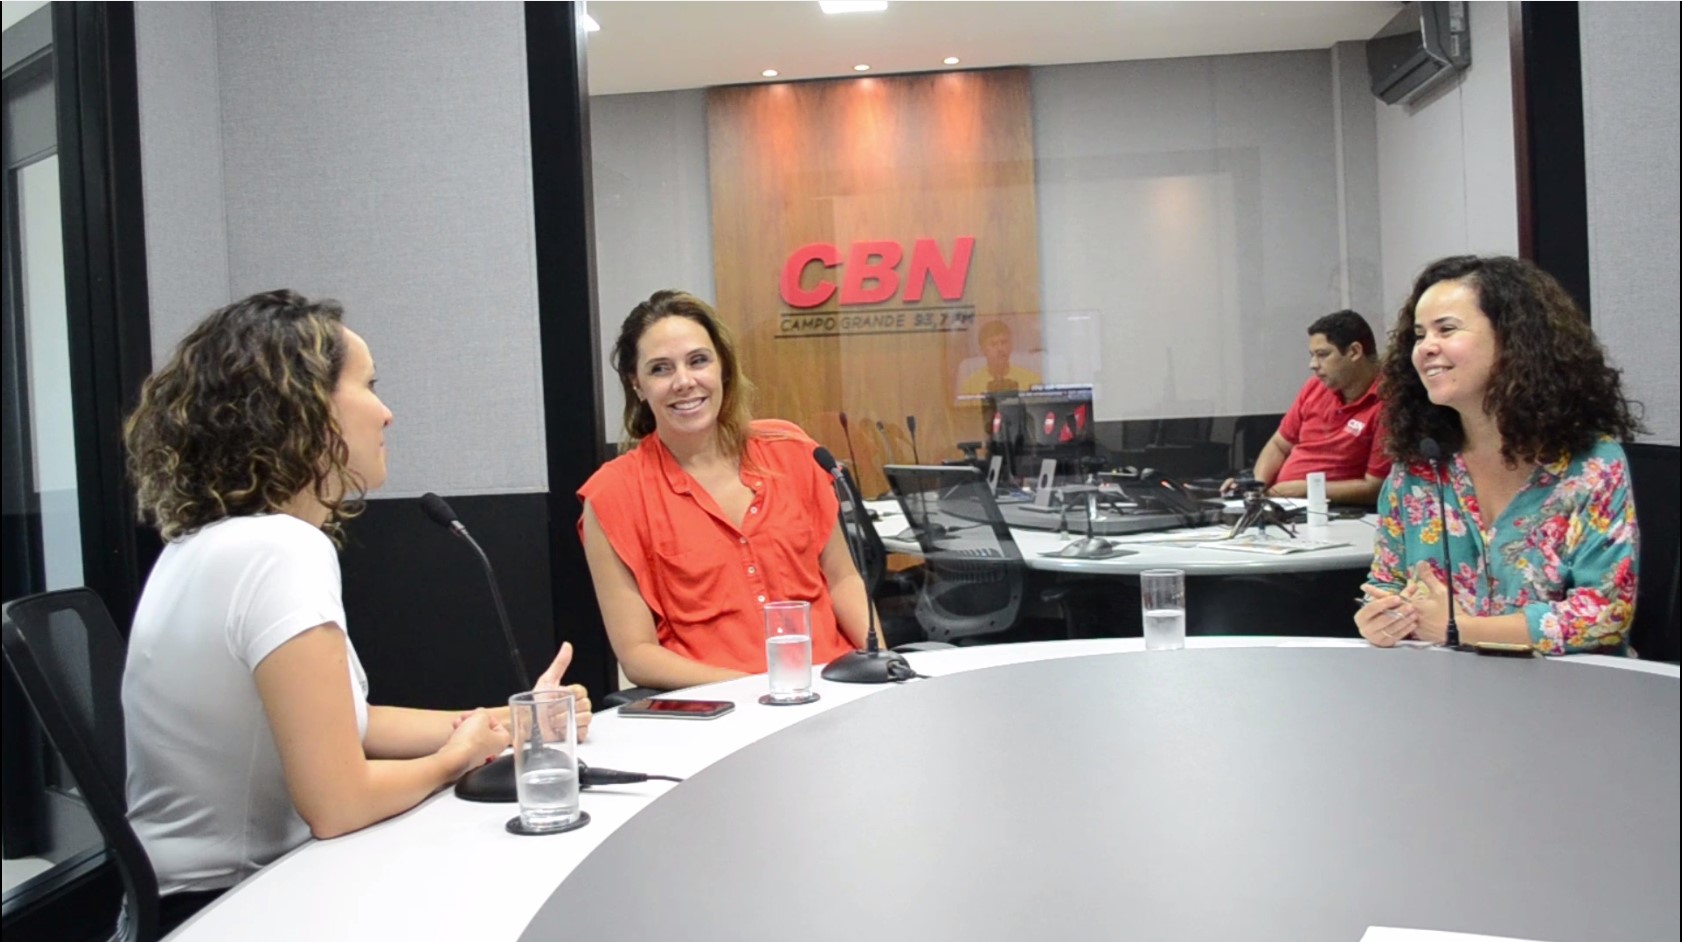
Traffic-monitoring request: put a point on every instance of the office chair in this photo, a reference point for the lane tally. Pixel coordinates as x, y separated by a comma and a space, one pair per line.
1653, 478
975, 578
893, 592
68, 658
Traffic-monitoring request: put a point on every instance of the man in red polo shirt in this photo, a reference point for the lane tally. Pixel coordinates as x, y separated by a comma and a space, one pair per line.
1333, 426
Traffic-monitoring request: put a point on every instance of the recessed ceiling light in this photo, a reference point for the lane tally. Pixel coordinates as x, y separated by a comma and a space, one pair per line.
590, 24
861, 67
769, 73
853, 6
950, 60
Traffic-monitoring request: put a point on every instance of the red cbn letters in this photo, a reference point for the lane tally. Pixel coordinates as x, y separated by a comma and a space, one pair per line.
871, 274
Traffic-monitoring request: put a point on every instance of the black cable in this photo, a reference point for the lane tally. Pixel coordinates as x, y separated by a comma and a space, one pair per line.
590, 776
902, 671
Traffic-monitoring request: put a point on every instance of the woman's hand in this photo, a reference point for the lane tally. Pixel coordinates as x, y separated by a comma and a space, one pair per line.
479, 738
1429, 597
1387, 618
580, 709
551, 679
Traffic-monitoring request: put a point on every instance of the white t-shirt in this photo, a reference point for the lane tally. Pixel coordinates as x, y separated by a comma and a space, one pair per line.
206, 792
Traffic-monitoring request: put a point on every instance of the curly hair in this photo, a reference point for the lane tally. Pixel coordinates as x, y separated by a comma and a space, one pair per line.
734, 412
240, 420
1551, 390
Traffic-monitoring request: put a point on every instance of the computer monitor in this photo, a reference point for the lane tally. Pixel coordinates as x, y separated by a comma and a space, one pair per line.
948, 505
1053, 422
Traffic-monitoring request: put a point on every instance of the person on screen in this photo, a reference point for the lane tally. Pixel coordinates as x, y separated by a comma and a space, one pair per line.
1493, 360
1333, 426
706, 514
245, 706
997, 374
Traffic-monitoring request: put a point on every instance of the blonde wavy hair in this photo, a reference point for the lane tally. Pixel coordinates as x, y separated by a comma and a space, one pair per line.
240, 420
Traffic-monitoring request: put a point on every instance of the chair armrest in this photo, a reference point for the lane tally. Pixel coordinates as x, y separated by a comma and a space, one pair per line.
619, 698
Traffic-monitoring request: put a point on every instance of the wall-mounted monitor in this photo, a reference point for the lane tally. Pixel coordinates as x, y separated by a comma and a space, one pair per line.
1420, 48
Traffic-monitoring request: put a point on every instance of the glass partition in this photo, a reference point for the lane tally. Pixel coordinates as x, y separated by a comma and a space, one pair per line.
1014, 249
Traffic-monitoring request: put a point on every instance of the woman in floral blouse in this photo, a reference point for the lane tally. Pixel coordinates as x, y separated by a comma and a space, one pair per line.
1493, 360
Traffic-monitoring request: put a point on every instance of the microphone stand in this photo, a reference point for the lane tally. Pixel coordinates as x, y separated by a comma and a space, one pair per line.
1433, 453
847, 433
872, 665
494, 782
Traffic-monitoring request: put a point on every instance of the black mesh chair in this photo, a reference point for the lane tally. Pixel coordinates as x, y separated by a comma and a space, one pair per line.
974, 575
1653, 476
893, 592
875, 553
68, 658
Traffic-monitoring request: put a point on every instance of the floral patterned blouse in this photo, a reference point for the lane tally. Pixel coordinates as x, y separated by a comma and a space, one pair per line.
1562, 553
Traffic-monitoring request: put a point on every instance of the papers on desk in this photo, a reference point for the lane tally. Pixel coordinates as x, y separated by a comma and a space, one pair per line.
1270, 545
1388, 934
1285, 503
1190, 537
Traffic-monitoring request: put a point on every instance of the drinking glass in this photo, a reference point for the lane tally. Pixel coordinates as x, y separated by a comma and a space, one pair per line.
788, 653
1162, 594
545, 732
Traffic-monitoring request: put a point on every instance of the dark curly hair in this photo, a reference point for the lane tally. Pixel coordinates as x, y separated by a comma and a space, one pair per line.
240, 420
734, 412
1551, 390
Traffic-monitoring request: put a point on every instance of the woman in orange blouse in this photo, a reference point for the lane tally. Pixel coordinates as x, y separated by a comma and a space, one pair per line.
706, 515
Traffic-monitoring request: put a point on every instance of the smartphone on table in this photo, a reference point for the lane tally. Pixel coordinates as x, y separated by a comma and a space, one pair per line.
669, 708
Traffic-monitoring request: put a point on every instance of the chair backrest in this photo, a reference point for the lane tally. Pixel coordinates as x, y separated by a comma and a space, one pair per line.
975, 577
68, 658
867, 539
1655, 480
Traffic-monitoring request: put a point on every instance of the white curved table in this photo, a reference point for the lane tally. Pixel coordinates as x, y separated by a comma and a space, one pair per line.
448, 870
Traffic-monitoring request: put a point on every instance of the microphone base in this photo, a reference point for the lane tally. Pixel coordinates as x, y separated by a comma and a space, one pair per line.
492, 782
859, 667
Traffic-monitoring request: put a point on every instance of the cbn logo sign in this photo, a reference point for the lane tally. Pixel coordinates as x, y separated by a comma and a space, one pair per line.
871, 275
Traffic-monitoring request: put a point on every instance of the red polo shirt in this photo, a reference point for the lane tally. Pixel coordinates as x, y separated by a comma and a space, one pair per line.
1345, 440
705, 579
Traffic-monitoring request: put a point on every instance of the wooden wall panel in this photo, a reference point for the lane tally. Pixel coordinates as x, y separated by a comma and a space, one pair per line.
896, 158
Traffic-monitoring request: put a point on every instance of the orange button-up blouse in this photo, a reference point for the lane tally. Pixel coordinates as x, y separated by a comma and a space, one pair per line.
705, 580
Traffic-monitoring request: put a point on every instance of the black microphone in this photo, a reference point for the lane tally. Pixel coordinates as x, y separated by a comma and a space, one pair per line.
442, 515
911, 429
872, 665
1433, 453
846, 432
493, 782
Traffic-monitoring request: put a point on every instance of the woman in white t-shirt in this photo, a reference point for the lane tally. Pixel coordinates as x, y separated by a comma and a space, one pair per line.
247, 724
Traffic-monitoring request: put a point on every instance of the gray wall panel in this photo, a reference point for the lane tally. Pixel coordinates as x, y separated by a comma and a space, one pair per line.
1630, 93
380, 154
1447, 183
1356, 142
653, 210
181, 167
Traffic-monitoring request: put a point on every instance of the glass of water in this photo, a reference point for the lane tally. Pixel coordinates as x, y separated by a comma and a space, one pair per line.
1162, 593
788, 653
545, 732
